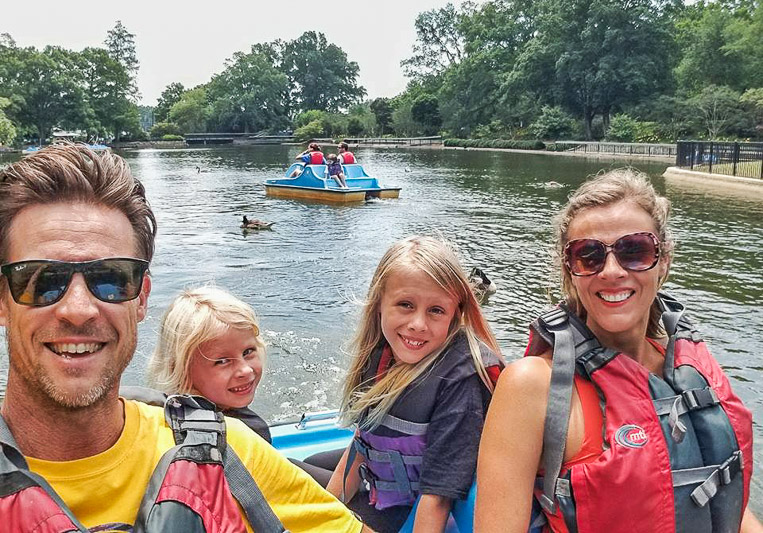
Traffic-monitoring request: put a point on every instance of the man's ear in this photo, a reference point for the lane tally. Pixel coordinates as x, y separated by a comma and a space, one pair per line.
4, 294
145, 290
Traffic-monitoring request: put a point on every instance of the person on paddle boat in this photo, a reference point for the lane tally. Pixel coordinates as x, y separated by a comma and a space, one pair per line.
311, 156
210, 345
335, 170
421, 378
76, 240
345, 156
612, 423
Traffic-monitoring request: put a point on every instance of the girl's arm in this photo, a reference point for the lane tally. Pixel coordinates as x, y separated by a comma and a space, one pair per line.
750, 524
432, 514
511, 447
353, 479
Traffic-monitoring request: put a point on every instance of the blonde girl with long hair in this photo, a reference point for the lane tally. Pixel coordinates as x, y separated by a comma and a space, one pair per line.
421, 378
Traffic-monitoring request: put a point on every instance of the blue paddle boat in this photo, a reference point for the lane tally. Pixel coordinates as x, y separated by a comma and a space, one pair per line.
313, 183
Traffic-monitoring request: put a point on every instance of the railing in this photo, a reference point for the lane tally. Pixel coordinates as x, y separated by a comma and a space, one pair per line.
396, 141
615, 148
730, 158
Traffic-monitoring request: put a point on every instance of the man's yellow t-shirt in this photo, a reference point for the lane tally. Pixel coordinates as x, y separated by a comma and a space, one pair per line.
105, 490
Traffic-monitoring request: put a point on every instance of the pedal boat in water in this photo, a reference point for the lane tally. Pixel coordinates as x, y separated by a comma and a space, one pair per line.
313, 183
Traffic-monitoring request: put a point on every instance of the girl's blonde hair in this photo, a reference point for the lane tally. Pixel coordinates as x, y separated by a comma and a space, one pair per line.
372, 401
193, 318
620, 185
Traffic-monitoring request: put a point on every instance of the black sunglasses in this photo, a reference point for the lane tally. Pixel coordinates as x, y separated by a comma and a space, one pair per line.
41, 282
635, 251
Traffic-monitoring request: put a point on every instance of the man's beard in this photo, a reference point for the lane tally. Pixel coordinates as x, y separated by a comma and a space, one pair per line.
41, 382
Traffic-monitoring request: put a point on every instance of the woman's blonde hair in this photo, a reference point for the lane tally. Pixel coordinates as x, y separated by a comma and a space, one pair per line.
193, 318
372, 401
620, 185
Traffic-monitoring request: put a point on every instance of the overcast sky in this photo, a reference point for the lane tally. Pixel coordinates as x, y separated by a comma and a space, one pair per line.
190, 41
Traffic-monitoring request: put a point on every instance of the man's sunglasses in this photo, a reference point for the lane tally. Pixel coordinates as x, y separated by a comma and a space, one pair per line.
42, 282
635, 251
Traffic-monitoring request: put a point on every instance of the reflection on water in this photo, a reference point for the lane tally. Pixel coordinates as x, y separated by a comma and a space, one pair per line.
303, 277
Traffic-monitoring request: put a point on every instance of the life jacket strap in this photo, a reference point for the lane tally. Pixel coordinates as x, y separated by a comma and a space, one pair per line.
374, 483
14, 466
559, 403
675, 406
404, 426
385, 457
711, 478
396, 460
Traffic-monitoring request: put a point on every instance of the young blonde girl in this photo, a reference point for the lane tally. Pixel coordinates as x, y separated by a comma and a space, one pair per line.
210, 344
421, 378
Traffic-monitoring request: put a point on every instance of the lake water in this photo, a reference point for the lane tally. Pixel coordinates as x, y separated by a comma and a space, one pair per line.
304, 277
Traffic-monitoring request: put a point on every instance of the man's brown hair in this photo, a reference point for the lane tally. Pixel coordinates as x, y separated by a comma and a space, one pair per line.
74, 173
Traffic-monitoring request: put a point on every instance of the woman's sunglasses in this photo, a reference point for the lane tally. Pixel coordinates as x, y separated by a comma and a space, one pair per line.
42, 282
635, 251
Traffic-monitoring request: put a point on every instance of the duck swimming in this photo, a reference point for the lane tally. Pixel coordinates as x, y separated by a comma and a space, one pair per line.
200, 170
482, 285
255, 224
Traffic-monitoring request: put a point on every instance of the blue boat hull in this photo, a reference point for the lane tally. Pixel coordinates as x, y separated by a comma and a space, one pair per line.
313, 183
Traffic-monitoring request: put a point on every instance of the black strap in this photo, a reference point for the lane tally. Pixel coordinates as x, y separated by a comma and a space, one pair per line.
259, 513
559, 404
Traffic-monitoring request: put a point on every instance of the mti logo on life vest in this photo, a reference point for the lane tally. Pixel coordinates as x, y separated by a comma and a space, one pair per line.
631, 436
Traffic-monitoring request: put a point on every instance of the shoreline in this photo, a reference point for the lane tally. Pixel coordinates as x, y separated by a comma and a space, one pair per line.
639, 157
715, 183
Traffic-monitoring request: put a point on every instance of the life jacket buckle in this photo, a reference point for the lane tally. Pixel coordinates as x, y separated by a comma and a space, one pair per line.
699, 398
555, 318
730, 468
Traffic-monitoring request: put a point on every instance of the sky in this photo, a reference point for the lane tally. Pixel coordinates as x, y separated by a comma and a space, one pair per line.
188, 42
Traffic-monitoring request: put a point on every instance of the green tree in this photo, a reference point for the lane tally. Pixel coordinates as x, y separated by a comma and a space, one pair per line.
161, 129
121, 46
402, 119
719, 108
439, 42
106, 84
190, 113
553, 123
598, 55
249, 95
426, 111
752, 100
320, 76
45, 88
382, 110
169, 97
7, 129
309, 131
622, 128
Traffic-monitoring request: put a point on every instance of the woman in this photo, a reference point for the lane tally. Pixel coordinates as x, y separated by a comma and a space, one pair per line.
613, 404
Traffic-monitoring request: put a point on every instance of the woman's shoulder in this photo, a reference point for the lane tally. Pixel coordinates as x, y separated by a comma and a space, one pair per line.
529, 376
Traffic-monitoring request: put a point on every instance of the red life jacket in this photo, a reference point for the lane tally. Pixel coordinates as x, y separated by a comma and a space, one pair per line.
316, 158
677, 450
348, 158
188, 491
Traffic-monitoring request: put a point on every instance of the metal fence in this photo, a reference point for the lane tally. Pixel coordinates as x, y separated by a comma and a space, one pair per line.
730, 158
616, 148
396, 141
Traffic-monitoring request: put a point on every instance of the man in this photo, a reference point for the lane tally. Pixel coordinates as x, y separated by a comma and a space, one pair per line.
76, 239
348, 158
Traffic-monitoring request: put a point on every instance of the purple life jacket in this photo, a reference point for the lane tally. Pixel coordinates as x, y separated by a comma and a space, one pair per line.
393, 452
